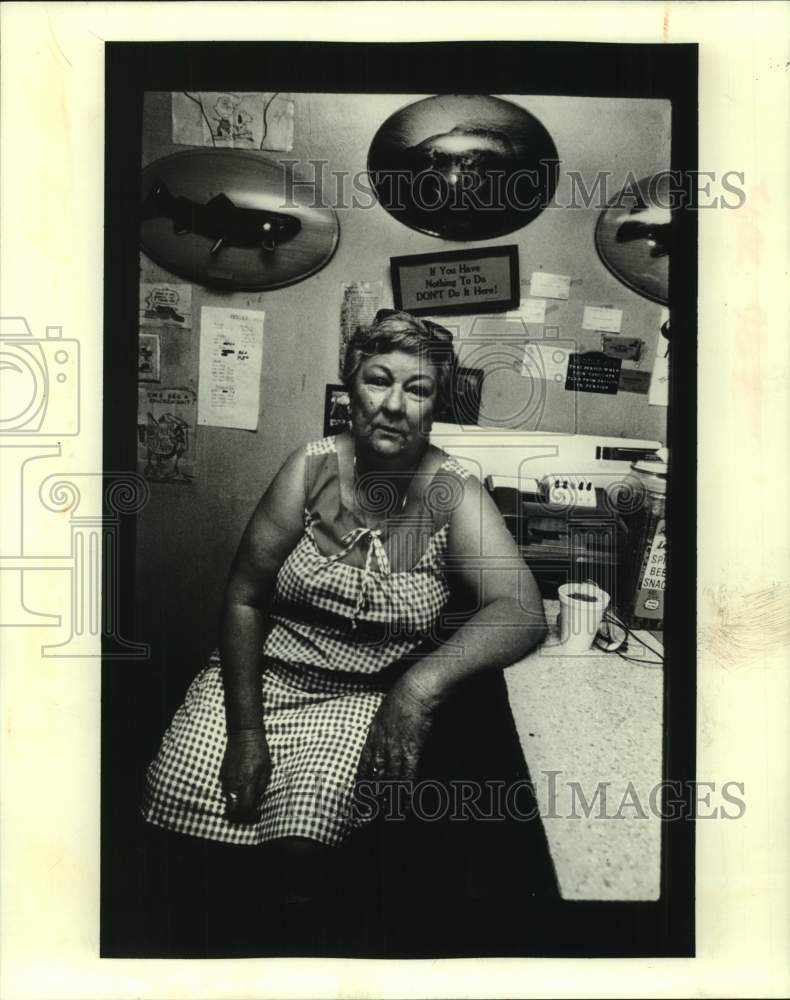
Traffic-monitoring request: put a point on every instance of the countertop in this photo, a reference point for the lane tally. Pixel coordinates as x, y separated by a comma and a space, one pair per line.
598, 720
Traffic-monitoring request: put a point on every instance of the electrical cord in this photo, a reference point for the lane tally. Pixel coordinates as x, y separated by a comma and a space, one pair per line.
612, 619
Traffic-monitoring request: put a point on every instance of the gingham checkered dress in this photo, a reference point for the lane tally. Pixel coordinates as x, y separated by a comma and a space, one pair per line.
341, 617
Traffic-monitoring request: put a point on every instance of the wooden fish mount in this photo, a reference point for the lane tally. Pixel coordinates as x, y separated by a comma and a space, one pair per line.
634, 237
232, 219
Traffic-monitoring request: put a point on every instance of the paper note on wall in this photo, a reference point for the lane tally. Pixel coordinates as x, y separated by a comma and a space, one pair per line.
659, 381
361, 300
233, 120
550, 286
231, 350
545, 361
165, 303
602, 318
529, 311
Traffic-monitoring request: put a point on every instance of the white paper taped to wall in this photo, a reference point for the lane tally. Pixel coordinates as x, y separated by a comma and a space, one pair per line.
231, 350
545, 361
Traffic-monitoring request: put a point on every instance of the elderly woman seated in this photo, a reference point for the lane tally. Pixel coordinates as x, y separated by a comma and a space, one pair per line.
331, 679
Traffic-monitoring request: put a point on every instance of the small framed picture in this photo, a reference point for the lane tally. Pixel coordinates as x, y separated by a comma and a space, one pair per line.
463, 406
337, 410
148, 358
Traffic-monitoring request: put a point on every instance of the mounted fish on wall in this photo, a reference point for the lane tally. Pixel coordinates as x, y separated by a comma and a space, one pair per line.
634, 236
463, 167
231, 219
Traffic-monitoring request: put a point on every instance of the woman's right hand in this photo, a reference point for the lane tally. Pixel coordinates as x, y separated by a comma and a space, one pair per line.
244, 775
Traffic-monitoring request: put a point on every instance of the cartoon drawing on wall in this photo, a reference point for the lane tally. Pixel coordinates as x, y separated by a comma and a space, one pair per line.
223, 119
164, 303
166, 435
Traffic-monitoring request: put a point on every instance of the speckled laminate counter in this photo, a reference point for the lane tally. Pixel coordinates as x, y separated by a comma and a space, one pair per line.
597, 719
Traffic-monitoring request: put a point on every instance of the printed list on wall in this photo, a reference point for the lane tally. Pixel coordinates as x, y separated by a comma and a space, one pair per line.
231, 349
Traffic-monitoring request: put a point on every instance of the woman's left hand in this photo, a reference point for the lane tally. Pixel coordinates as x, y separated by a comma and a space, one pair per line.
397, 735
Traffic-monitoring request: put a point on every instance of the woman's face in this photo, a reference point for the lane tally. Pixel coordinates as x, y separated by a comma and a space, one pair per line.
392, 405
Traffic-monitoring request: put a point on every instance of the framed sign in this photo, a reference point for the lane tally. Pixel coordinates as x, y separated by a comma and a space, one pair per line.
461, 281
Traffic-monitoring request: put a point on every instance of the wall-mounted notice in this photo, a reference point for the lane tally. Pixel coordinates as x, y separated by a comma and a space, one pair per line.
550, 286
148, 359
634, 380
529, 311
233, 120
625, 348
460, 281
659, 381
544, 360
603, 318
593, 372
358, 308
164, 303
166, 434
231, 350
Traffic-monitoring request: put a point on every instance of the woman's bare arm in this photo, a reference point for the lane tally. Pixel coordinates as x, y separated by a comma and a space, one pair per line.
273, 530
507, 624
508, 621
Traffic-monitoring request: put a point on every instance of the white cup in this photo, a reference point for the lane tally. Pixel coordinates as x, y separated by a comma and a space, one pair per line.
581, 609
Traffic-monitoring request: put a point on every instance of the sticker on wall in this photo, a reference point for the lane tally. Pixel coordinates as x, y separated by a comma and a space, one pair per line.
634, 380
233, 120
529, 311
550, 286
163, 303
625, 348
604, 318
148, 358
166, 434
593, 372
358, 308
231, 350
546, 361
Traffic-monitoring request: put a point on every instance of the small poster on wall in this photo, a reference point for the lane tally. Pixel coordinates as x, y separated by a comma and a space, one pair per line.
166, 434
361, 301
233, 120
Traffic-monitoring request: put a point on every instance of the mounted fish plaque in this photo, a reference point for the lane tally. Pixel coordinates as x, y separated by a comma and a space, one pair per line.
634, 236
463, 167
232, 219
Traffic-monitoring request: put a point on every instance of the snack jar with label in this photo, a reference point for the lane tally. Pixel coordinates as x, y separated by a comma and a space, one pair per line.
644, 564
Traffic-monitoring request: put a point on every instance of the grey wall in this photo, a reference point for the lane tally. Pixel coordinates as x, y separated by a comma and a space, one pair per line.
187, 534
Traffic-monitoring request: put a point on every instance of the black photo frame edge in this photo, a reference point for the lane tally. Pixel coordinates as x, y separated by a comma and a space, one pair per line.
664, 928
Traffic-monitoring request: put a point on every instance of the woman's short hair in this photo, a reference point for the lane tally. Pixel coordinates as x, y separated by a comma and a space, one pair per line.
392, 330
